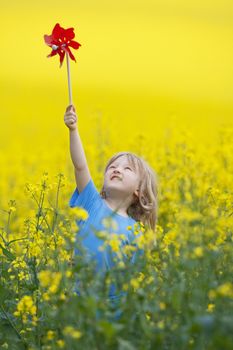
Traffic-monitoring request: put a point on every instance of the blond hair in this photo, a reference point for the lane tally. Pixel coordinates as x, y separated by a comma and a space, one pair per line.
145, 207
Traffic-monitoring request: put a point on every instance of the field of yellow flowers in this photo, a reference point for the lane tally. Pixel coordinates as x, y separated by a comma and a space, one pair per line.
152, 77
179, 294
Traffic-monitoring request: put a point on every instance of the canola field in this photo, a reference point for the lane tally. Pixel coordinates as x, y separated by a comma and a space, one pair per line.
152, 80
179, 295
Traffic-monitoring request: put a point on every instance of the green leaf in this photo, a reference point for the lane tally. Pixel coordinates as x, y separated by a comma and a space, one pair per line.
15, 240
125, 345
107, 328
3, 293
7, 253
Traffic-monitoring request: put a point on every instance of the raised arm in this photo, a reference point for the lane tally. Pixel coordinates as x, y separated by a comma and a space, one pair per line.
81, 170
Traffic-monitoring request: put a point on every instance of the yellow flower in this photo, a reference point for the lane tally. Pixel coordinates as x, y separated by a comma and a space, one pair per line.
134, 283
159, 228
12, 209
72, 332
114, 242
169, 237
128, 250
64, 255
149, 279
19, 263
212, 294
141, 277
101, 234
80, 213
121, 264
62, 296
68, 273
12, 205
141, 241
45, 296
198, 252
60, 343
162, 306
50, 335
56, 278
25, 308
110, 223
44, 278
221, 238
211, 246
226, 290
50, 279
210, 307
26, 303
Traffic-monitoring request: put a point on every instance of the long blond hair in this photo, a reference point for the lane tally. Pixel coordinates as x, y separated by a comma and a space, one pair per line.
145, 207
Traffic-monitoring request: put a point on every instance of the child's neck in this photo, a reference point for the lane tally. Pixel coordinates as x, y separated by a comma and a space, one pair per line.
117, 205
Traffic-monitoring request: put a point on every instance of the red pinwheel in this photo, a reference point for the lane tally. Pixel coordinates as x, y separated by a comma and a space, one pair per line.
60, 41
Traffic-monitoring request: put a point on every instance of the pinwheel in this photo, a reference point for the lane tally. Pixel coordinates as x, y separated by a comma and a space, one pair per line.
61, 40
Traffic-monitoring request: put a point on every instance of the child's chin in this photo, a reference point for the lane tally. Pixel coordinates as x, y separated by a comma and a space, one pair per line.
115, 183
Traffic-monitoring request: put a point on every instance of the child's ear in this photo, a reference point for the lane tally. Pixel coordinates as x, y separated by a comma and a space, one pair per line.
136, 192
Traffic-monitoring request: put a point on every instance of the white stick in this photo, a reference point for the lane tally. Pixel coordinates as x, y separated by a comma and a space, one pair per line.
69, 79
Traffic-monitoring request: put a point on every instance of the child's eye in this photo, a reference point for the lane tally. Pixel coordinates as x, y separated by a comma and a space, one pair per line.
128, 168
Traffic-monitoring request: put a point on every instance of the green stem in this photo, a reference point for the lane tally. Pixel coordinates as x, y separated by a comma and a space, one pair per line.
56, 205
8, 222
13, 327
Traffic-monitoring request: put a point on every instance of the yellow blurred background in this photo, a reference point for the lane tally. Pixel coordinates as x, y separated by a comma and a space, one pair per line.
143, 67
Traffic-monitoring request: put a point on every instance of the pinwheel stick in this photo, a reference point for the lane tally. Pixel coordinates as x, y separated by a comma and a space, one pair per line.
60, 40
69, 78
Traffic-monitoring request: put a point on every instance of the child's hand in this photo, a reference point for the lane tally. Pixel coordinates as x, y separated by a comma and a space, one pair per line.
70, 117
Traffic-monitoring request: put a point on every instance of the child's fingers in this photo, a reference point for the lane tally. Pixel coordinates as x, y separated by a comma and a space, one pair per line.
67, 119
70, 114
70, 120
70, 107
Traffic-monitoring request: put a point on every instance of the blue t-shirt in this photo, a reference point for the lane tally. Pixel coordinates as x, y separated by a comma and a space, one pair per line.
90, 199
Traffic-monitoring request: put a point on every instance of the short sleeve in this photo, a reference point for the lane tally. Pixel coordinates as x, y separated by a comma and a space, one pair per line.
86, 198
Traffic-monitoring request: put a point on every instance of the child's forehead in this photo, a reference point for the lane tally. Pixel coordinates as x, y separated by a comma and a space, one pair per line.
124, 160
121, 159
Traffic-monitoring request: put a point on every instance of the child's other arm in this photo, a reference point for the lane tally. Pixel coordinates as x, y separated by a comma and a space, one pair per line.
82, 174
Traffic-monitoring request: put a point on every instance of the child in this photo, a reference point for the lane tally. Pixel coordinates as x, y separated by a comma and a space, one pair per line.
128, 195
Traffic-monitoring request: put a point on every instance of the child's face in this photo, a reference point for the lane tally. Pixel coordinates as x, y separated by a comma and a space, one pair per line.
121, 176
